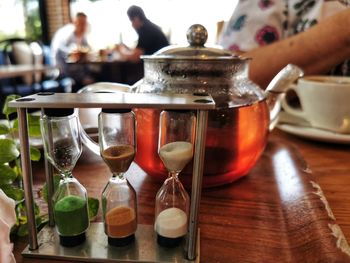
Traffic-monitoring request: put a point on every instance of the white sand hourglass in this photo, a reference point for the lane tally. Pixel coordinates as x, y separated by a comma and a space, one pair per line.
175, 148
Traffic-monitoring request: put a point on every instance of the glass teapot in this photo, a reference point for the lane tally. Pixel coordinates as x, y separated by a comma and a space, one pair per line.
238, 128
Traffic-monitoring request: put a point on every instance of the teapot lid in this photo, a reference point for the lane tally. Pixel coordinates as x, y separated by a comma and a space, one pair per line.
196, 68
196, 36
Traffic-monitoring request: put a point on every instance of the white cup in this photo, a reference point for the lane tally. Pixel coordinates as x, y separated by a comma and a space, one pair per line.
325, 102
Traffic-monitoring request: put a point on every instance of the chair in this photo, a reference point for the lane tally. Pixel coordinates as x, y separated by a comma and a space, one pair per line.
32, 53
13, 85
65, 83
18, 51
10, 85
23, 52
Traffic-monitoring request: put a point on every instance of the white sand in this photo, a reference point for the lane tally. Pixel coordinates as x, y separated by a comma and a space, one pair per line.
176, 155
172, 223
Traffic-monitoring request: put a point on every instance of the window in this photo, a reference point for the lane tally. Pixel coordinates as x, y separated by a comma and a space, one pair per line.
109, 23
13, 24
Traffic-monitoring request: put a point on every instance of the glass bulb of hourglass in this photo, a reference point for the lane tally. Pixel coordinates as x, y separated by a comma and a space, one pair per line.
175, 155
176, 138
62, 145
117, 144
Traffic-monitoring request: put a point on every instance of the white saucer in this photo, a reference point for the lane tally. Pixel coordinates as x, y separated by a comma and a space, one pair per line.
315, 134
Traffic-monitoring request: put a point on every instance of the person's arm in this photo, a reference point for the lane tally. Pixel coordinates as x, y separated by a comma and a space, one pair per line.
316, 50
128, 54
133, 55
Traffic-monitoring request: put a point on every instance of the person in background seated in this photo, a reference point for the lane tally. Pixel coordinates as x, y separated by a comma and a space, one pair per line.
151, 37
314, 35
70, 43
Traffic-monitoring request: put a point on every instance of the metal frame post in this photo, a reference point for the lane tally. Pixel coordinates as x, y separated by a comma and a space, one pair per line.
50, 190
27, 176
198, 164
49, 184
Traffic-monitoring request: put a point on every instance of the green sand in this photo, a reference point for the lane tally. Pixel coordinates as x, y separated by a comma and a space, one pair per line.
71, 215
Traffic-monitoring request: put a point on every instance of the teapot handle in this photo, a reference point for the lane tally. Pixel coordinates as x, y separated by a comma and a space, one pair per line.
275, 91
106, 87
99, 87
290, 109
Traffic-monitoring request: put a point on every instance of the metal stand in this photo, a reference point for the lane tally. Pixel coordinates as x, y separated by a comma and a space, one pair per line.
27, 176
96, 249
198, 163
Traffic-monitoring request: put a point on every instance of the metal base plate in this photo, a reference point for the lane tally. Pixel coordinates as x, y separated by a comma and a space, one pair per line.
96, 248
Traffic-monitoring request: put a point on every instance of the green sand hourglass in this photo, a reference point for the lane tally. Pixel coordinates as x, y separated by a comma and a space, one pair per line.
62, 145
175, 148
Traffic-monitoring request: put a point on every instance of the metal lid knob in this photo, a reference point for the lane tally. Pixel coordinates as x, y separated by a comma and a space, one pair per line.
197, 35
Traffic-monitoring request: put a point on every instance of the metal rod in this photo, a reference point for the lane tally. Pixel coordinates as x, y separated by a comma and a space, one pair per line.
198, 163
49, 183
50, 190
27, 177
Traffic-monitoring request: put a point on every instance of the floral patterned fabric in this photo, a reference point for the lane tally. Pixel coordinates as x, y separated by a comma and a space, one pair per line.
7, 220
257, 23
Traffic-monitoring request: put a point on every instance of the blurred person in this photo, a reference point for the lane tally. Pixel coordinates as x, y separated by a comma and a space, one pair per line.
150, 36
70, 43
311, 34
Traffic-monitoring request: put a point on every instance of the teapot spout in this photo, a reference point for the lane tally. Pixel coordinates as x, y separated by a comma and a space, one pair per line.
99, 87
276, 90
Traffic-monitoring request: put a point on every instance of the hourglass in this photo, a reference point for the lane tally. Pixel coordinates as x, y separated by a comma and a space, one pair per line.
62, 145
117, 146
175, 148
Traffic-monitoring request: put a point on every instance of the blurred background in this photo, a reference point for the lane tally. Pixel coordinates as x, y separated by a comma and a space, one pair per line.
109, 24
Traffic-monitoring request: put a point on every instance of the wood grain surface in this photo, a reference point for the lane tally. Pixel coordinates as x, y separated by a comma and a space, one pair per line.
275, 214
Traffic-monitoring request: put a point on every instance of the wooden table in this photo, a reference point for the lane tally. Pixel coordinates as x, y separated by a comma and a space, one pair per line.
233, 217
22, 70
118, 71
